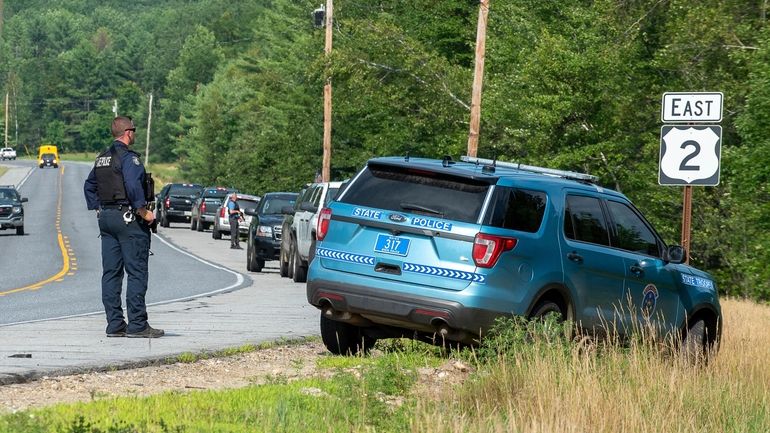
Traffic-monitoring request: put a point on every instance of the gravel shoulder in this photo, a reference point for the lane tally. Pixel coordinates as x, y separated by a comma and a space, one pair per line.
290, 361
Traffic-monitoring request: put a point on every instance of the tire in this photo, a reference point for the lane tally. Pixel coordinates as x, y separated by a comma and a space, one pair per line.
20, 230
284, 266
696, 345
200, 226
193, 224
311, 253
216, 234
290, 261
299, 272
41, 165
164, 221
547, 307
253, 264
343, 338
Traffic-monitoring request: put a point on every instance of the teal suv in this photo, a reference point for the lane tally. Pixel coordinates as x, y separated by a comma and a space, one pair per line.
437, 249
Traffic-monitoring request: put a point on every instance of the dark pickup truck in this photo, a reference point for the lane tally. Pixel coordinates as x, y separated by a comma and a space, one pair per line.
175, 201
204, 210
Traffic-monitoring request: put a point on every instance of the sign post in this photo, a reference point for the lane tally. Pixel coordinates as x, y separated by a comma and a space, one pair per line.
690, 154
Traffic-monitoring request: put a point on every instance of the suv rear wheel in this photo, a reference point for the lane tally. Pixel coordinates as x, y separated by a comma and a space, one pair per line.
193, 224
547, 307
284, 265
216, 234
200, 226
342, 338
299, 272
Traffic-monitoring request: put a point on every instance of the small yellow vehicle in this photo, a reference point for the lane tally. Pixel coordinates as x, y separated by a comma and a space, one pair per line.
48, 156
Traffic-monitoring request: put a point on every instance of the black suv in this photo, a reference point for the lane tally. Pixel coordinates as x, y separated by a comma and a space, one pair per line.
174, 202
264, 238
11, 209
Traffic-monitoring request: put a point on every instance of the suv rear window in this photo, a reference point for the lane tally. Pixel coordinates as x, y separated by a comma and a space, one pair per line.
516, 209
422, 192
184, 190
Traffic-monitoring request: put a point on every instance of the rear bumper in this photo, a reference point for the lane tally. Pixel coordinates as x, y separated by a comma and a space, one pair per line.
178, 214
417, 313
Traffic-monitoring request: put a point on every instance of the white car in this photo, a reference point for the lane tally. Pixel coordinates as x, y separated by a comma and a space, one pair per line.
301, 239
222, 221
7, 153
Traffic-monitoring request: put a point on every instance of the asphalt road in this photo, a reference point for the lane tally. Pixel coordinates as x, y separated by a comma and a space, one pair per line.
54, 270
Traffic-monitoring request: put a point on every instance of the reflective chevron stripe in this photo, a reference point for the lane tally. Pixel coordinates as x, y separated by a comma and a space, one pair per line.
443, 272
344, 257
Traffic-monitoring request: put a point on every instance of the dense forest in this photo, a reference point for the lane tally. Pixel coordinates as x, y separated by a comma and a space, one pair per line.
237, 91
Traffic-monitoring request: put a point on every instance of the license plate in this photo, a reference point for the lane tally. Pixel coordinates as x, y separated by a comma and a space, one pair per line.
392, 245
188, 213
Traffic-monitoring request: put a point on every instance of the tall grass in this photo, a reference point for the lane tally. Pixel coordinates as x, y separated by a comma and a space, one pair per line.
549, 384
528, 378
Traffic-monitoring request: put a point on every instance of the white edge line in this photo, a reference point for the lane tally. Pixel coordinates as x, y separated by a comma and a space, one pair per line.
29, 173
238, 276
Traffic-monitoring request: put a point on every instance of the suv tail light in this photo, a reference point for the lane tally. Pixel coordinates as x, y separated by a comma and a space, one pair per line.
203, 207
324, 217
487, 249
222, 212
168, 202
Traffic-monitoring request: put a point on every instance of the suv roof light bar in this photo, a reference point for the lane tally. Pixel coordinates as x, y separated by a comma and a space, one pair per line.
534, 169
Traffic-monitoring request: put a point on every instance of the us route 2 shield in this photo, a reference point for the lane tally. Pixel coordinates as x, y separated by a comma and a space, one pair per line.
690, 155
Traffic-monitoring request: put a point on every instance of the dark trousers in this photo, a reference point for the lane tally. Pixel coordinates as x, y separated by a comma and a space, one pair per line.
234, 241
124, 247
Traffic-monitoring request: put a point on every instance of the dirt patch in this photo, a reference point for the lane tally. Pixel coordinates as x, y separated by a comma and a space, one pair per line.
289, 362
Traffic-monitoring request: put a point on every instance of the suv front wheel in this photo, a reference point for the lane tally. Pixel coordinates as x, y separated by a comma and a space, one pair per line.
342, 338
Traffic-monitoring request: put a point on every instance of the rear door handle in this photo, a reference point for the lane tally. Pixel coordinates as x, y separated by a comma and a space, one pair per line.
575, 257
636, 270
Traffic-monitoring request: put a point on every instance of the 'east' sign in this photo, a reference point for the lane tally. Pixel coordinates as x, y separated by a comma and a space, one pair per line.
692, 107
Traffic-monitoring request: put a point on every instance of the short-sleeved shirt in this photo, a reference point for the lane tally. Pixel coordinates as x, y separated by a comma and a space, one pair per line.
233, 205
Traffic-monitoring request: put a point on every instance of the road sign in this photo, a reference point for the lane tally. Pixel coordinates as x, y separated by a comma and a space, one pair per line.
690, 155
692, 107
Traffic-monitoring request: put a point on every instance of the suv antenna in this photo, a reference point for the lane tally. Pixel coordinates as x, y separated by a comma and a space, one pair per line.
406, 158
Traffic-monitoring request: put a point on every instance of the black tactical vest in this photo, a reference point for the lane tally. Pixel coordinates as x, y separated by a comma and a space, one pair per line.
109, 176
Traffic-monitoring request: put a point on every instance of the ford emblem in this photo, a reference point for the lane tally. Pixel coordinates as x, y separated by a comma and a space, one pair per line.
396, 218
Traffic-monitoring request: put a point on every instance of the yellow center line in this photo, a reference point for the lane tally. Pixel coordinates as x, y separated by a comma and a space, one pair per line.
64, 253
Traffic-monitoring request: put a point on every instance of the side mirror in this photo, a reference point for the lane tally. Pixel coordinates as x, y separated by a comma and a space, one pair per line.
287, 210
675, 254
308, 207
24, 199
250, 211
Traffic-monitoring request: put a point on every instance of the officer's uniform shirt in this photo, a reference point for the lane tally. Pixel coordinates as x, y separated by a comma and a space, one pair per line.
133, 181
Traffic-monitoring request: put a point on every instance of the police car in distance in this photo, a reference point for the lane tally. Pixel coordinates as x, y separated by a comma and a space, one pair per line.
438, 249
11, 209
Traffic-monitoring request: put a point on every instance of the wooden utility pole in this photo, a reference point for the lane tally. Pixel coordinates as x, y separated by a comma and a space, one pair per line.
149, 125
327, 156
6, 119
686, 222
478, 78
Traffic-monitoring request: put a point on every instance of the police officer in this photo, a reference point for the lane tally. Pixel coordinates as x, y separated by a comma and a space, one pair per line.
114, 188
234, 213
